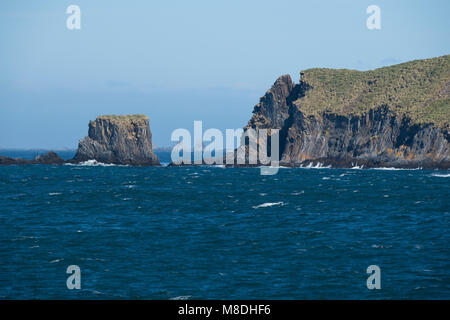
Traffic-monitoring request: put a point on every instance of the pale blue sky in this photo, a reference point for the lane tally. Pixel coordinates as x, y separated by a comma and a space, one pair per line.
180, 61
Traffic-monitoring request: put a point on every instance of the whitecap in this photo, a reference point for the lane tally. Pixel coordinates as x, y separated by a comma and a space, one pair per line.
95, 163
181, 298
269, 204
380, 246
392, 168
57, 260
441, 175
319, 165
54, 193
96, 292
24, 238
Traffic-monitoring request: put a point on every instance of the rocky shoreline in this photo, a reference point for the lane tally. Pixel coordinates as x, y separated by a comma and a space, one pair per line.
397, 116
51, 158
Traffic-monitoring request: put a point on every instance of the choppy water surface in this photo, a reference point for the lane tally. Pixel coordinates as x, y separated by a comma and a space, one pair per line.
209, 232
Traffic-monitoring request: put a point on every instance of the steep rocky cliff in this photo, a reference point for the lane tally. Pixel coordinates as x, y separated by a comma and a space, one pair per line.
123, 139
393, 116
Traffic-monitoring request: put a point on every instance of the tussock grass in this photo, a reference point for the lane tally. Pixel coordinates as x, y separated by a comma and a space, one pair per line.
124, 117
419, 89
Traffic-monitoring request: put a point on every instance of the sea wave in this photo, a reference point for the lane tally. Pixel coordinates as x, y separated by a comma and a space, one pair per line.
441, 175
181, 298
392, 168
269, 204
95, 163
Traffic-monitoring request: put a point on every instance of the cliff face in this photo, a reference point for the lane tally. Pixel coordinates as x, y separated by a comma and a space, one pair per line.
376, 138
118, 140
395, 116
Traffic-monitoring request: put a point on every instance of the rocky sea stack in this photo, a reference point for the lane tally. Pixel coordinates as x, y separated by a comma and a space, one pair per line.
396, 116
118, 139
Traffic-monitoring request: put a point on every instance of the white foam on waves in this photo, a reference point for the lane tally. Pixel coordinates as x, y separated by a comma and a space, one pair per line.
441, 175
269, 204
95, 163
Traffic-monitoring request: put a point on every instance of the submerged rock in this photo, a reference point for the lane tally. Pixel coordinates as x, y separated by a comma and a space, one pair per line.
124, 139
48, 158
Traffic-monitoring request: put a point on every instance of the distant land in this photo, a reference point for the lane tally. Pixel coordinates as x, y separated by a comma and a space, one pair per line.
163, 153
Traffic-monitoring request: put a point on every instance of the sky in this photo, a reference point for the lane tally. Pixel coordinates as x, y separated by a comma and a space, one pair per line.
178, 61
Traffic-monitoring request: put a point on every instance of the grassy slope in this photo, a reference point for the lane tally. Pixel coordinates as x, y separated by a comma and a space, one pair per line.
419, 89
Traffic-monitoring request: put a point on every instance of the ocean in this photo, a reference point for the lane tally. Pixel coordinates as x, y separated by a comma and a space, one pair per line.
210, 232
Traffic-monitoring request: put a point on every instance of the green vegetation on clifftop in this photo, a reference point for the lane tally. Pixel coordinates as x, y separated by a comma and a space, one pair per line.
124, 117
418, 89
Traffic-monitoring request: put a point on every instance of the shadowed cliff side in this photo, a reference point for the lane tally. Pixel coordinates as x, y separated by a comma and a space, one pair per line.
124, 139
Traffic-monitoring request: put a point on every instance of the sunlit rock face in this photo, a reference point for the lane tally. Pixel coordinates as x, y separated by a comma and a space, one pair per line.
124, 139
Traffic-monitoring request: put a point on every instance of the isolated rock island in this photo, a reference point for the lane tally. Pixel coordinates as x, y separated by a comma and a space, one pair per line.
396, 116
112, 139
118, 139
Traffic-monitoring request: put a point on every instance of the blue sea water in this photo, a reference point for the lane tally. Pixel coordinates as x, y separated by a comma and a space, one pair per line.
223, 233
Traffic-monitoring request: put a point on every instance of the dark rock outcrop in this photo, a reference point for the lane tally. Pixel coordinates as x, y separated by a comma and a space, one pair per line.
375, 139
273, 108
341, 119
48, 158
125, 140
